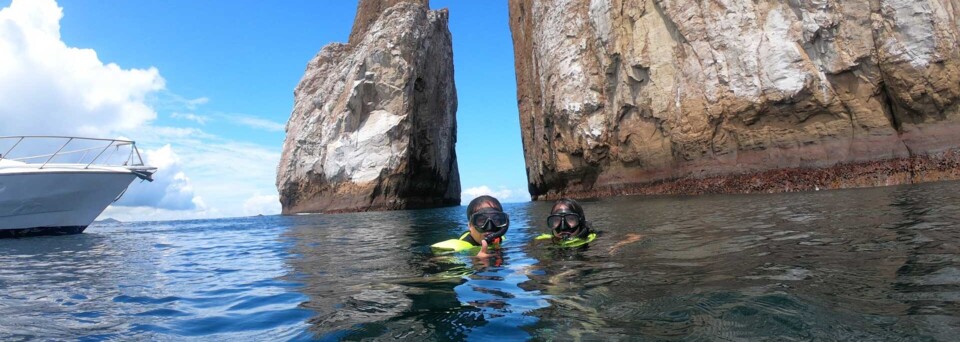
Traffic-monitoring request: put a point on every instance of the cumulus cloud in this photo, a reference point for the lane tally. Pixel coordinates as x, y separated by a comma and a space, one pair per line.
49, 88
262, 204
171, 188
70, 88
224, 172
502, 194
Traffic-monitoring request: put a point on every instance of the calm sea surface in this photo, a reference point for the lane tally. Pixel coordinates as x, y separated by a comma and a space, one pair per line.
867, 264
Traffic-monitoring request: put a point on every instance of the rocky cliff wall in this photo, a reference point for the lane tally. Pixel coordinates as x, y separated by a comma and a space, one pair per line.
374, 121
666, 96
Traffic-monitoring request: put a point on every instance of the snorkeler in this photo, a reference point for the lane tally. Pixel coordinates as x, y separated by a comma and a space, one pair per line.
486, 222
568, 225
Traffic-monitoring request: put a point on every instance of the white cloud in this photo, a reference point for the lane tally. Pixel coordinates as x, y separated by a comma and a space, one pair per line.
49, 88
503, 194
224, 172
258, 123
69, 88
166, 100
229, 178
262, 204
136, 214
193, 103
200, 119
161, 133
171, 188
235, 119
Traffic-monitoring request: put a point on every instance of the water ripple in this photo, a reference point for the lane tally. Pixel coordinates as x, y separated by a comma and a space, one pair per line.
867, 264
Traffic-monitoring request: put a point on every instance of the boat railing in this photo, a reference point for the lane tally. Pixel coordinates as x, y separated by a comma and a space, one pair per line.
76, 149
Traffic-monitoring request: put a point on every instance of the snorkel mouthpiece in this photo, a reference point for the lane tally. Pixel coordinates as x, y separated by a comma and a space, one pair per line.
562, 227
492, 223
565, 234
495, 236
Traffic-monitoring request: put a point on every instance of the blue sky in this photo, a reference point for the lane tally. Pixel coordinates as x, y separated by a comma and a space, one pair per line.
225, 73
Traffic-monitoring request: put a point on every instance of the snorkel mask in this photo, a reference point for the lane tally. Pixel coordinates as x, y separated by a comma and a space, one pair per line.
565, 225
491, 222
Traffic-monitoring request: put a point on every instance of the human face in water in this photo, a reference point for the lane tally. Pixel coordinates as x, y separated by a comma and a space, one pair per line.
564, 222
475, 232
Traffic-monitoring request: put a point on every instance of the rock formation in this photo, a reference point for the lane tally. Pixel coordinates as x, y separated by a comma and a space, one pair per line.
667, 96
373, 125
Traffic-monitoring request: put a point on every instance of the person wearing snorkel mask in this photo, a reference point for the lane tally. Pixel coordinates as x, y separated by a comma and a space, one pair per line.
486, 222
568, 225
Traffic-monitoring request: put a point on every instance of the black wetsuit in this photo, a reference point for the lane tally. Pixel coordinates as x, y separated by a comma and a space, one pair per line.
469, 239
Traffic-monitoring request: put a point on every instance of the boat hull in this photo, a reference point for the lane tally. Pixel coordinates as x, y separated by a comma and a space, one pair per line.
38, 231
54, 203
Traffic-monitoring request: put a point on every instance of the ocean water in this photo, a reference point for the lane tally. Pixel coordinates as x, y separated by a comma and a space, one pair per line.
865, 264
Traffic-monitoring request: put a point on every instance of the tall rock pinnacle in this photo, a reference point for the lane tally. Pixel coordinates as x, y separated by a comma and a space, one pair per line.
373, 125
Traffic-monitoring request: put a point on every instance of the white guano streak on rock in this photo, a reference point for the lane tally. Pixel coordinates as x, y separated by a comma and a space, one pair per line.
562, 58
914, 24
599, 13
600, 18
596, 124
780, 57
737, 25
363, 154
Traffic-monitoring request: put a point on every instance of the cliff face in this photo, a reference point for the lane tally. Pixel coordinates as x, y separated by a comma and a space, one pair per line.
666, 96
374, 121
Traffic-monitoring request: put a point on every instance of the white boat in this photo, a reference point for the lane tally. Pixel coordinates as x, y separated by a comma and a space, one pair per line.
64, 191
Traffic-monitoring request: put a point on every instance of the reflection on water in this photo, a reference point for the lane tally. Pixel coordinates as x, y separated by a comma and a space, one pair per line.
839, 265
869, 264
373, 275
151, 281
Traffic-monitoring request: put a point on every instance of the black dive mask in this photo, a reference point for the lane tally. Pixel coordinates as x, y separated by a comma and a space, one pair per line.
491, 222
565, 224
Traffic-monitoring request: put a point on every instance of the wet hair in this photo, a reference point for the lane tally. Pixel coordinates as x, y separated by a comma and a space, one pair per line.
476, 202
572, 205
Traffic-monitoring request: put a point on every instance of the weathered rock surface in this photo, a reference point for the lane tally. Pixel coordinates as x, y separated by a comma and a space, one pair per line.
667, 96
374, 121
369, 11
